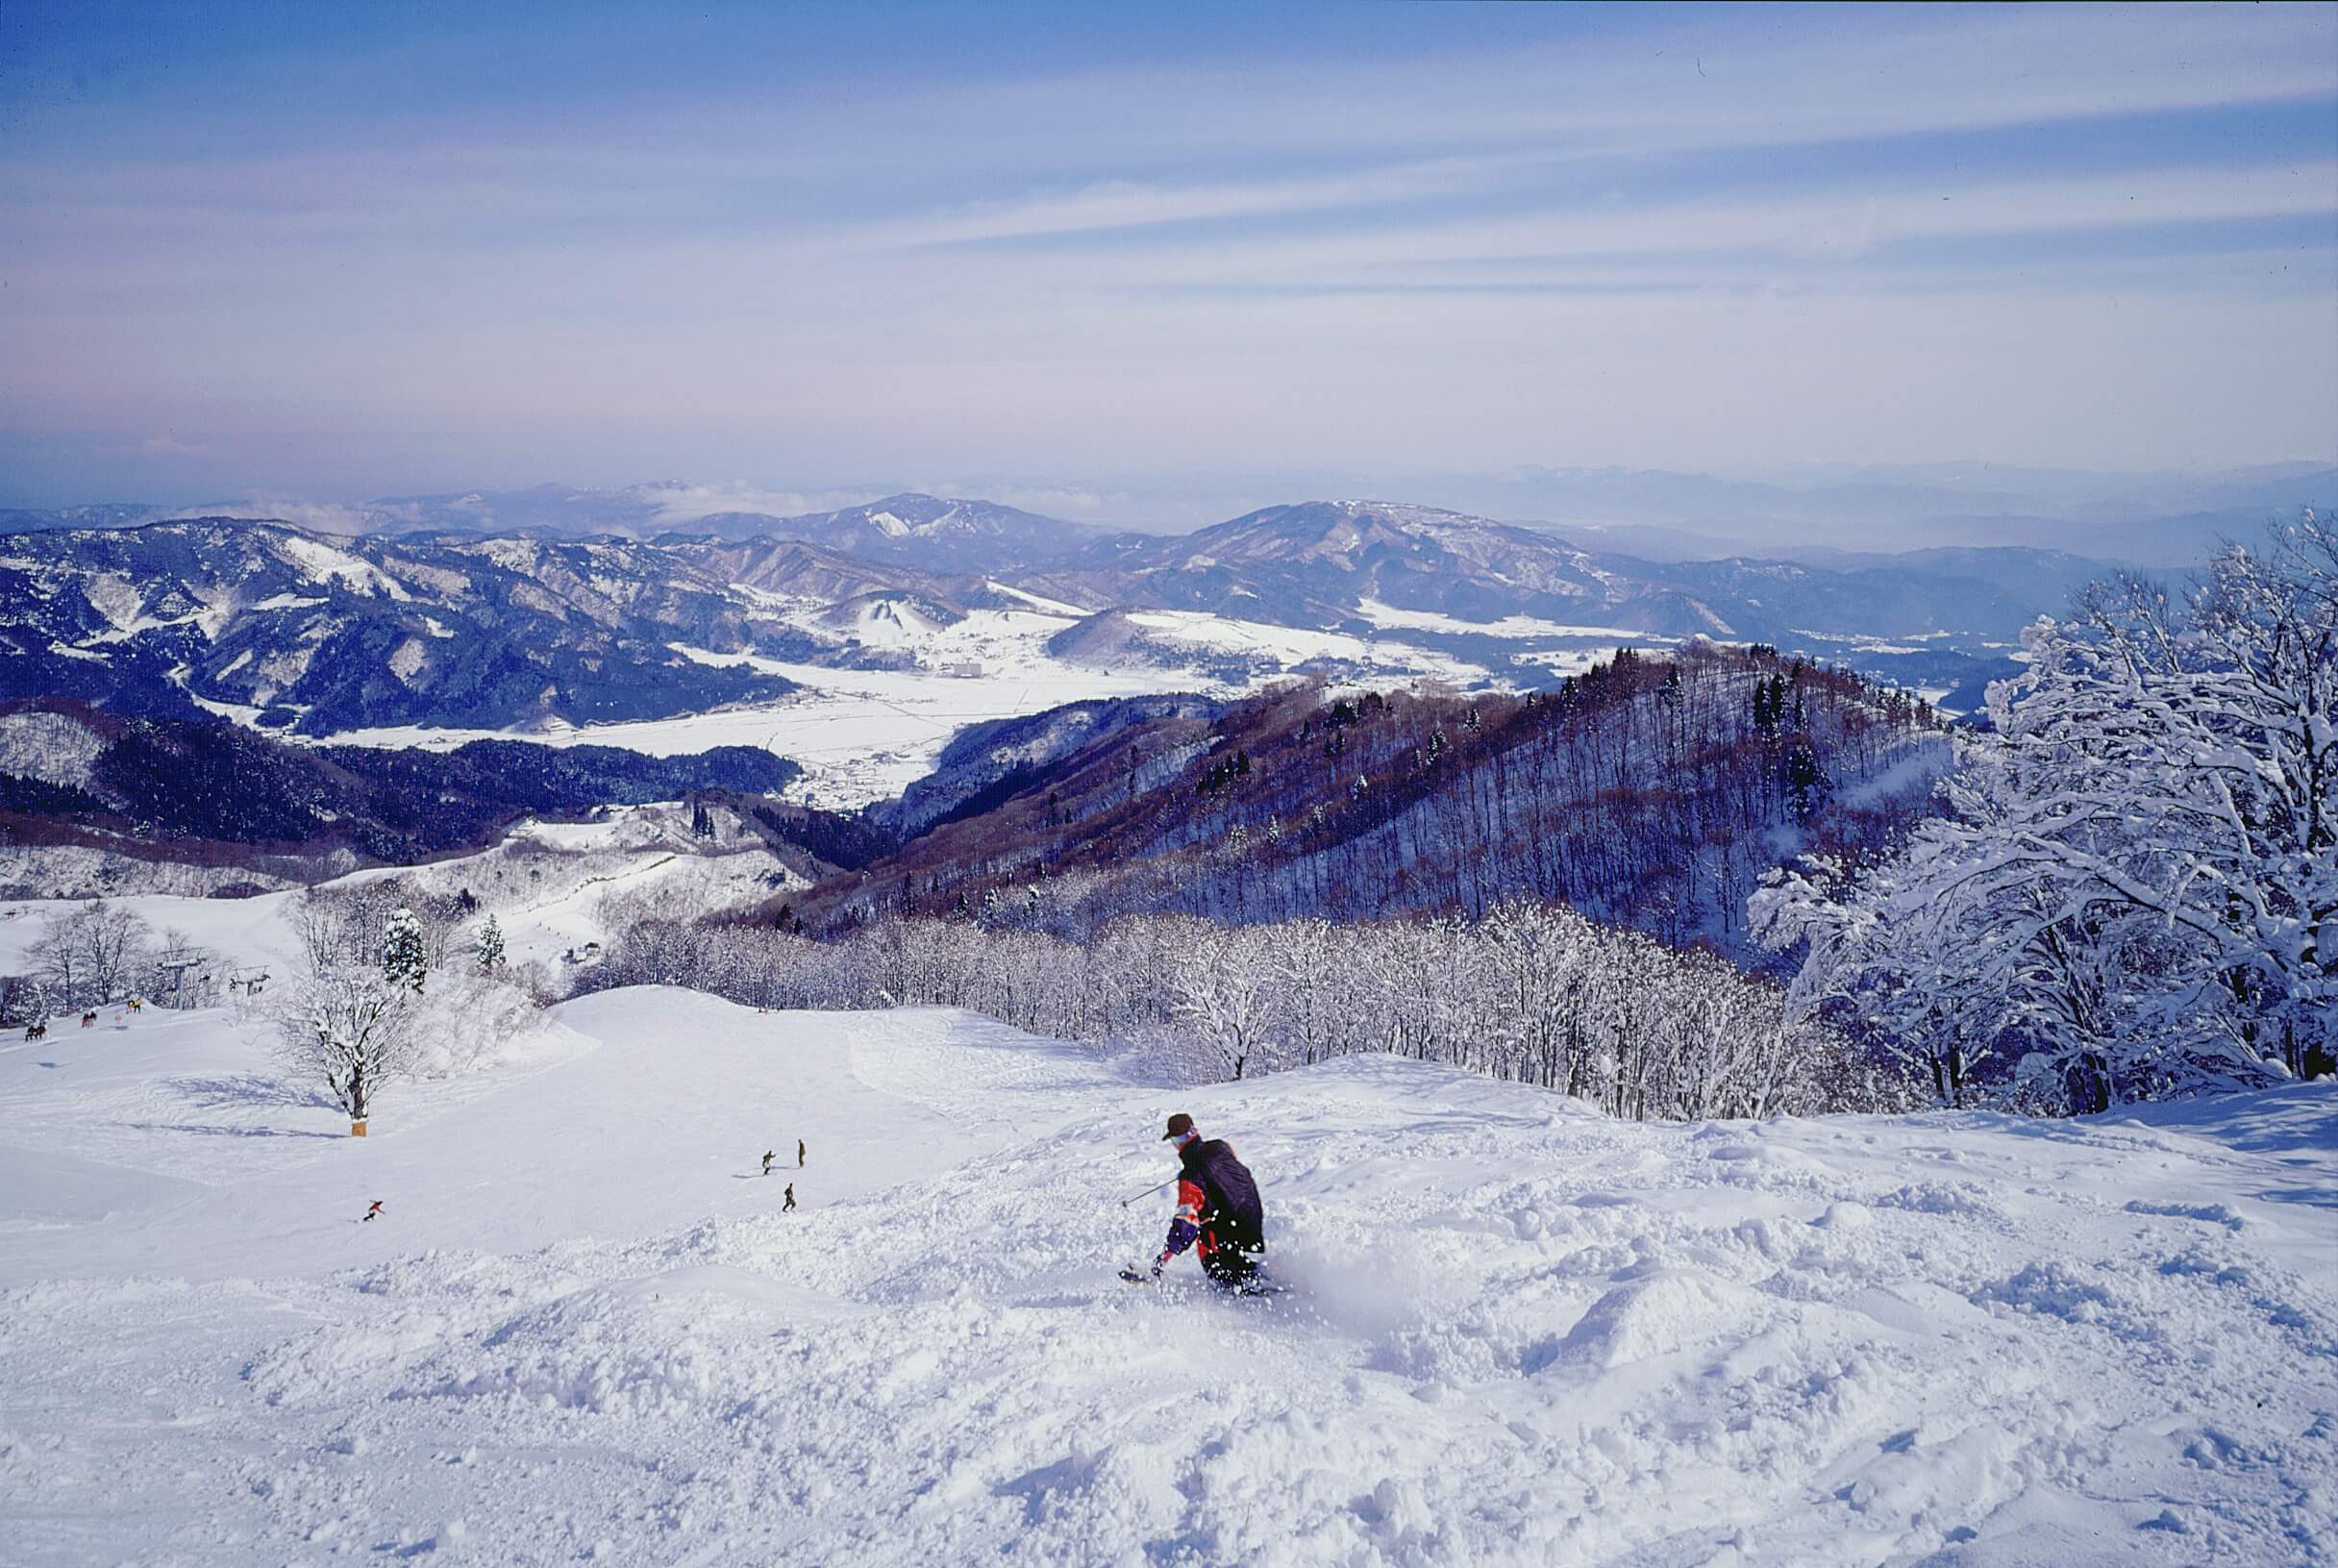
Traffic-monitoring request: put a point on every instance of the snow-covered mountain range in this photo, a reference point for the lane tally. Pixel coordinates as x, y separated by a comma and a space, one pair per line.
325, 634
289, 629
921, 530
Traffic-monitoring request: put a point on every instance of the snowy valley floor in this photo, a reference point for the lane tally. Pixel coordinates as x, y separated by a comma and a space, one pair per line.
1518, 1332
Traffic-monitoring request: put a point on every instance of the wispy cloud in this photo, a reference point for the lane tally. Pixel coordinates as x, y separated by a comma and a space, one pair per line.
1125, 203
1848, 223
680, 504
168, 446
318, 516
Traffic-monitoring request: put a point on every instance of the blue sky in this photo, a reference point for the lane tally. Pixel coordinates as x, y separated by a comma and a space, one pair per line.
349, 251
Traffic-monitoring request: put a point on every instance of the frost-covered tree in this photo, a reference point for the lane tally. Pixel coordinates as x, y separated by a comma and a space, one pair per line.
490, 946
1541, 960
1532, 993
1304, 957
2136, 886
1908, 967
350, 1030
1223, 986
405, 955
23, 1000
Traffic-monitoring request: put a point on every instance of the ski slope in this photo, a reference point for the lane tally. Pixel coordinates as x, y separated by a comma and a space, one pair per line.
1518, 1332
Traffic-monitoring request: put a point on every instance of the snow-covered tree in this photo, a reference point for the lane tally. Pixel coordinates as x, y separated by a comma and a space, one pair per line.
1910, 968
24, 999
348, 1029
2136, 885
405, 956
1304, 958
1224, 987
490, 946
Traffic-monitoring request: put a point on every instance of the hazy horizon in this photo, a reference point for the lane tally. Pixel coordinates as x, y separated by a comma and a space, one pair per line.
1182, 503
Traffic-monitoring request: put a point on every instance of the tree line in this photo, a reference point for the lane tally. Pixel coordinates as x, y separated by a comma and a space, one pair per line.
1531, 993
99, 953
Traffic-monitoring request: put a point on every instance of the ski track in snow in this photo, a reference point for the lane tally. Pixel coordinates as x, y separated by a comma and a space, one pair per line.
1519, 1332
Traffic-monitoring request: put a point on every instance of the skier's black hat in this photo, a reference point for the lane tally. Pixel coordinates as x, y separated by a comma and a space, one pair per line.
1179, 1125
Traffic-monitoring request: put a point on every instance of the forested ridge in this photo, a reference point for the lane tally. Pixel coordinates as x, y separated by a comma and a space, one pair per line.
213, 792
1651, 792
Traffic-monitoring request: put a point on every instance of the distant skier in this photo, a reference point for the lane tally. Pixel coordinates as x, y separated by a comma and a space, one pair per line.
1218, 1214
769, 1154
789, 1206
372, 1212
799, 1153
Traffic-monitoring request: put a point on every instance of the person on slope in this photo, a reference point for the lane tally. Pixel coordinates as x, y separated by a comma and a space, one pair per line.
769, 1154
372, 1213
1217, 1210
789, 1206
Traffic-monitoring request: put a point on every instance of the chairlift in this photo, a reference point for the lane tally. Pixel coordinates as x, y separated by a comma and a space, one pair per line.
175, 961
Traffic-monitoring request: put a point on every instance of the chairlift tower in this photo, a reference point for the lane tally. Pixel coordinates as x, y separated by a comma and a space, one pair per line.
175, 963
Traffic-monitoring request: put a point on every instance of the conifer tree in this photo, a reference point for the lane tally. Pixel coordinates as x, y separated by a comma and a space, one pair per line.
403, 958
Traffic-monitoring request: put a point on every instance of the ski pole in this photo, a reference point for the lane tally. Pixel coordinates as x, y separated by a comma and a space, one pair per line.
1148, 1192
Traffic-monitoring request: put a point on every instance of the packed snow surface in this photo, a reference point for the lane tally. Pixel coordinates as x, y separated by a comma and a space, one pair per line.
584, 1329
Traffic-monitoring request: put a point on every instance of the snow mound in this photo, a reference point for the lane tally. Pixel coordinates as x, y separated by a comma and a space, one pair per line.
1672, 1311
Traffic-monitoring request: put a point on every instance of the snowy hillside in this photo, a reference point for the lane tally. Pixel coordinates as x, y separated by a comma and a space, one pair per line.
547, 885
1519, 1332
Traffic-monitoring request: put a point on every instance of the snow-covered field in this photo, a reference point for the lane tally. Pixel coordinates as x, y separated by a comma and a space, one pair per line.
862, 735
1390, 618
1518, 1332
1207, 634
865, 735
